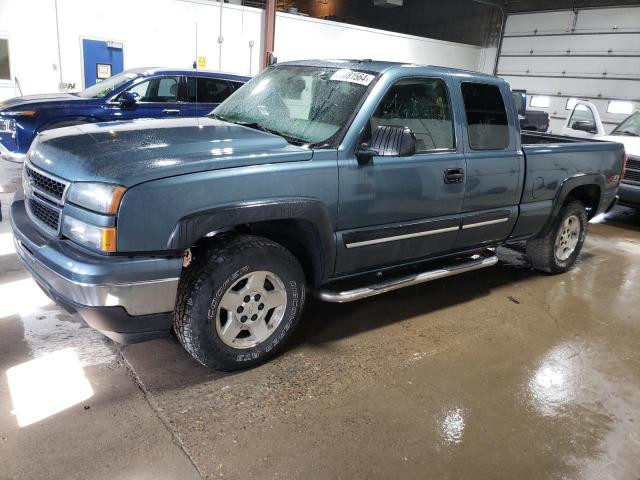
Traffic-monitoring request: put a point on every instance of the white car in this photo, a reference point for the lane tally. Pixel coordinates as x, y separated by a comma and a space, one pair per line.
585, 122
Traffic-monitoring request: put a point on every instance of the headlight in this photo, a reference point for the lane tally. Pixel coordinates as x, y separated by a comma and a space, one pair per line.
7, 125
21, 113
99, 197
98, 238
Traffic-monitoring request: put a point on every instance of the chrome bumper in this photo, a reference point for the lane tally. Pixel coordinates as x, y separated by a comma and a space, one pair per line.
137, 298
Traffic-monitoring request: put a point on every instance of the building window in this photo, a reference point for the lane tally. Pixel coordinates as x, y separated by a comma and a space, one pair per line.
5, 72
539, 101
619, 106
571, 103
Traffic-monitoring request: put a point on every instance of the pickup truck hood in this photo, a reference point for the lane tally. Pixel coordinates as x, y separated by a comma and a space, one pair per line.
631, 144
15, 102
137, 151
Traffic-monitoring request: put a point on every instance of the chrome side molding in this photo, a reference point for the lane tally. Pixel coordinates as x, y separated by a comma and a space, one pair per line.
475, 262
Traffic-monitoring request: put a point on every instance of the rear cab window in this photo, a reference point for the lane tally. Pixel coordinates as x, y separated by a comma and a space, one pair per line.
487, 121
208, 90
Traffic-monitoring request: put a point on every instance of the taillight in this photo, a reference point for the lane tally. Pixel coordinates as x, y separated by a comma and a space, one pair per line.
624, 165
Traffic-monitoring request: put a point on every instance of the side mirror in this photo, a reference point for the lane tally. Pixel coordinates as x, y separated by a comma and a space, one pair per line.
584, 126
126, 99
388, 141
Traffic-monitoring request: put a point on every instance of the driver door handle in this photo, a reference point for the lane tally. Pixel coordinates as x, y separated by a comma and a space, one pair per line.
171, 111
453, 175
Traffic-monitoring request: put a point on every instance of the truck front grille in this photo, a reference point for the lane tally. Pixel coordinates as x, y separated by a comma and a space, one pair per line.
631, 173
44, 196
45, 214
45, 184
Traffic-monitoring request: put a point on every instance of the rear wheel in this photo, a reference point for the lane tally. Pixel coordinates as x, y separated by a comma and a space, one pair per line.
239, 304
558, 249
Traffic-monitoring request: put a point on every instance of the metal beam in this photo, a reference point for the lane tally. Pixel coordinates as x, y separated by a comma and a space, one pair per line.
269, 32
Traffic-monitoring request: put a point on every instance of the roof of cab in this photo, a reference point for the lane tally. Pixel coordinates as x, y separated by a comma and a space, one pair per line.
379, 66
185, 71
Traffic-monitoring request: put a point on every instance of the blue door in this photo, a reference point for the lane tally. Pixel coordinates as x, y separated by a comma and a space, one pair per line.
394, 209
101, 60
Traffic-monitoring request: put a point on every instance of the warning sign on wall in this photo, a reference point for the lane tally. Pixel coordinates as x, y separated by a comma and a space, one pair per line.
202, 62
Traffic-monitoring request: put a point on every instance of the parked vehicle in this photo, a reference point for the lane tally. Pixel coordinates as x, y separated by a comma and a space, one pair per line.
535, 120
584, 121
340, 178
135, 93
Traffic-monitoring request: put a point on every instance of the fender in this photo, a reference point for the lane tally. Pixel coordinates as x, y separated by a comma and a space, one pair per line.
566, 187
191, 228
65, 122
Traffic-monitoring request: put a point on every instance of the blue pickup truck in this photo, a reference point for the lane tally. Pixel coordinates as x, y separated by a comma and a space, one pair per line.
344, 179
135, 93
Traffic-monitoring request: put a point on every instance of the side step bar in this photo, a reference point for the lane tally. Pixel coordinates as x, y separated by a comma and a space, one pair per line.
475, 262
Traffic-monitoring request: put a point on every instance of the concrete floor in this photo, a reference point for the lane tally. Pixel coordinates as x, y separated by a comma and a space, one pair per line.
500, 373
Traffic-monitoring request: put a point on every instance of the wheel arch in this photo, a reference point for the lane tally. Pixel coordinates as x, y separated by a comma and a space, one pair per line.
303, 226
586, 188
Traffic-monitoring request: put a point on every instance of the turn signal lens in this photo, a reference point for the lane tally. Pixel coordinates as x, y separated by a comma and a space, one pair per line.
20, 113
108, 240
118, 192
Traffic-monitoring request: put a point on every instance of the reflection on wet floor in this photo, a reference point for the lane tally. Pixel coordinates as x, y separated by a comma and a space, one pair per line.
453, 426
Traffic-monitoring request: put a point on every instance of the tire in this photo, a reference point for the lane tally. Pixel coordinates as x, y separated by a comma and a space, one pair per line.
222, 293
558, 249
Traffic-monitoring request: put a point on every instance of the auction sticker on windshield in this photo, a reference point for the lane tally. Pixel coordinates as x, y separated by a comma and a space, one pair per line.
346, 75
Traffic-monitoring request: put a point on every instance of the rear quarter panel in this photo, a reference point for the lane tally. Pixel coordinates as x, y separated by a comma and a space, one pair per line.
554, 169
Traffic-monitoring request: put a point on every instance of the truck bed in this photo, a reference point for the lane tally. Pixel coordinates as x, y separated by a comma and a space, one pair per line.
552, 158
533, 138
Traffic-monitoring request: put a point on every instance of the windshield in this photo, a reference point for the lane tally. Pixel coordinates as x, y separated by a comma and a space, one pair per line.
630, 126
305, 105
105, 87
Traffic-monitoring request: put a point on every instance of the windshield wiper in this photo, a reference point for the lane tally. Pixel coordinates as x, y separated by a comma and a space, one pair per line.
218, 117
262, 128
626, 132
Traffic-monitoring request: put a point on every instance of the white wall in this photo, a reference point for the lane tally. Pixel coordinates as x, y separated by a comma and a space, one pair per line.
563, 56
305, 37
163, 33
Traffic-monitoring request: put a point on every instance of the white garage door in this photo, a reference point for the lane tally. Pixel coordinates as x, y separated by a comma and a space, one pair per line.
589, 54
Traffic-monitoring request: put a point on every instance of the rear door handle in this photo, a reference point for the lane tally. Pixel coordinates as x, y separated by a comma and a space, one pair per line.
171, 111
453, 175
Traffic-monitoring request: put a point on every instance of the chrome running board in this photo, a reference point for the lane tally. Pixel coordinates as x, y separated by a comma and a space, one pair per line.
475, 262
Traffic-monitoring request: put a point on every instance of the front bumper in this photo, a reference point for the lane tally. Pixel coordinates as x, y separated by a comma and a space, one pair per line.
129, 299
629, 195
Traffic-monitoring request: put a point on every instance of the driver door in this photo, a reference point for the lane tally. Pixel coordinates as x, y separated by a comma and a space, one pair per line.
584, 121
396, 209
158, 97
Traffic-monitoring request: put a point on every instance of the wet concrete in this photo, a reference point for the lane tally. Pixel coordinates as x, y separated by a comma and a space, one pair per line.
499, 373
69, 407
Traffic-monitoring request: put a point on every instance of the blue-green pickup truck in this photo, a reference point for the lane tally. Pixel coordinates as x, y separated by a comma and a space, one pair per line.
343, 179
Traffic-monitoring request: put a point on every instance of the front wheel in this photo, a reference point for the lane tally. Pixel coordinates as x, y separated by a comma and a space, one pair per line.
558, 249
238, 306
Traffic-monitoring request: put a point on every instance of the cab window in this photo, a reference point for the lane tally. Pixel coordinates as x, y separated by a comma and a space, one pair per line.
207, 90
582, 118
160, 89
423, 105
